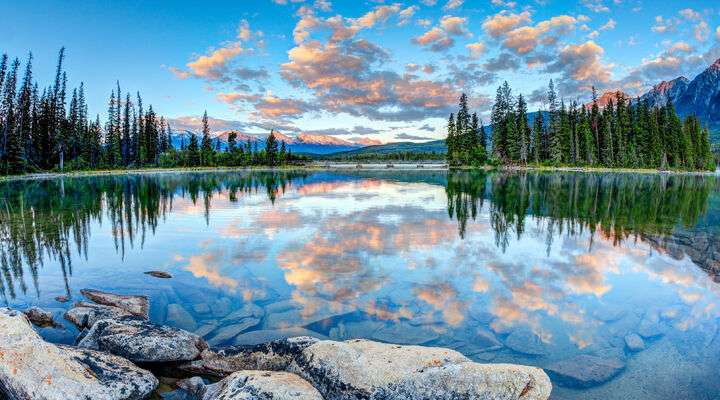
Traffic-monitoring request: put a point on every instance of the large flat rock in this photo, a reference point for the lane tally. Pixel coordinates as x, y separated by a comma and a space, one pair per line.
262, 385
585, 371
142, 341
32, 369
84, 314
136, 305
362, 369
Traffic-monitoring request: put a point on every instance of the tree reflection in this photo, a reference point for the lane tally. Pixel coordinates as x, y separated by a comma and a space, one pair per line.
616, 205
50, 219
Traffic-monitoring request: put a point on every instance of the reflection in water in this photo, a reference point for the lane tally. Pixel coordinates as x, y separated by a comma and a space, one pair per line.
505, 267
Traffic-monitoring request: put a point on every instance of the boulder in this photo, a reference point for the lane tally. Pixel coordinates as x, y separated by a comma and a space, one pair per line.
268, 335
271, 356
362, 369
31, 368
62, 299
228, 332
136, 305
84, 314
246, 311
584, 371
634, 342
179, 317
39, 317
525, 341
142, 341
650, 327
159, 274
206, 329
261, 385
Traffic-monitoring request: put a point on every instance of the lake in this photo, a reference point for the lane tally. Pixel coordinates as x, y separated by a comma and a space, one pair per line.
530, 268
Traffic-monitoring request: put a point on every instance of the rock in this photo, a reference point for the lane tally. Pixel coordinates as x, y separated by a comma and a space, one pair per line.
405, 333
142, 341
525, 341
84, 315
136, 305
362, 369
262, 385
634, 342
187, 389
247, 311
271, 356
355, 329
221, 307
39, 317
228, 332
31, 368
584, 371
268, 335
282, 306
650, 328
321, 309
179, 317
62, 299
158, 274
201, 308
205, 329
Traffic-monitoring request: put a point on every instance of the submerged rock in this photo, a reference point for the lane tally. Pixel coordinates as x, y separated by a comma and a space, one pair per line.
84, 314
262, 385
142, 341
405, 333
634, 342
585, 371
179, 317
246, 311
62, 299
136, 305
650, 327
525, 341
228, 332
271, 356
158, 274
31, 368
362, 369
39, 317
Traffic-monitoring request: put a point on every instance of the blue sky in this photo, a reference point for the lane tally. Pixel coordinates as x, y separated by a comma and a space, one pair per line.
379, 70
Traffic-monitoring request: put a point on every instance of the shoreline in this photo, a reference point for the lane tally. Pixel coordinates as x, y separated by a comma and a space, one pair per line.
343, 166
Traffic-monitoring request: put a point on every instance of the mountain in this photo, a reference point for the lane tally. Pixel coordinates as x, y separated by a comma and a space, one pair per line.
605, 98
302, 143
700, 97
437, 146
659, 95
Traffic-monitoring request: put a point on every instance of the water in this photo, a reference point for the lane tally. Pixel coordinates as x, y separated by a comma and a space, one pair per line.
495, 265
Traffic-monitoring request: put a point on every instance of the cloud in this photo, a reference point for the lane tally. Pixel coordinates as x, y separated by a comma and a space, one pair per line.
405, 15
581, 67
406, 136
439, 38
597, 6
503, 22
476, 49
609, 25
717, 33
453, 4
503, 62
194, 124
701, 31
690, 14
269, 107
663, 25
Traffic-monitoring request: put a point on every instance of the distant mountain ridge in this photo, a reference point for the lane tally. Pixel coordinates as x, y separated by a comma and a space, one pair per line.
700, 97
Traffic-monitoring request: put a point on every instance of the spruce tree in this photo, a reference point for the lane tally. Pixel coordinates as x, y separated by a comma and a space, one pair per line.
271, 149
193, 152
523, 130
207, 150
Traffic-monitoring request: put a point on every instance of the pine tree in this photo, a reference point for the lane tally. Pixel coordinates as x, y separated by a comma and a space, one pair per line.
555, 146
451, 139
193, 152
538, 128
126, 129
206, 155
523, 130
271, 149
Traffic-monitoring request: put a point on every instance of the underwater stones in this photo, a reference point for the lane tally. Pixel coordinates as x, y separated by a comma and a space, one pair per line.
39, 317
261, 385
362, 369
650, 327
634, 342
158, 274
201, 308
221, 307
136, 305
246, 311
268, 335
228, 332
179, 317
525, 341
609, 314
142, 341
206, 329
84, 315
31, 368
62, 299
271, 356
584, 371
404, 333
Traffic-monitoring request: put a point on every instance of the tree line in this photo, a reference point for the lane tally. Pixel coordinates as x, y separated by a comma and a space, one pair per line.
50, 129
623, 134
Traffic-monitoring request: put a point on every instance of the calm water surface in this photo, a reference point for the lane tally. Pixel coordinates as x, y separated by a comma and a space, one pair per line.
530, 268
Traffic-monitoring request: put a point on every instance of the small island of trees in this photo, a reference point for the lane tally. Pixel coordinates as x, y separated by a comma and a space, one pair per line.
623, 134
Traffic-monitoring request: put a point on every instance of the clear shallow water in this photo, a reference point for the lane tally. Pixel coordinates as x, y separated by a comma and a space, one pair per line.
494, 265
